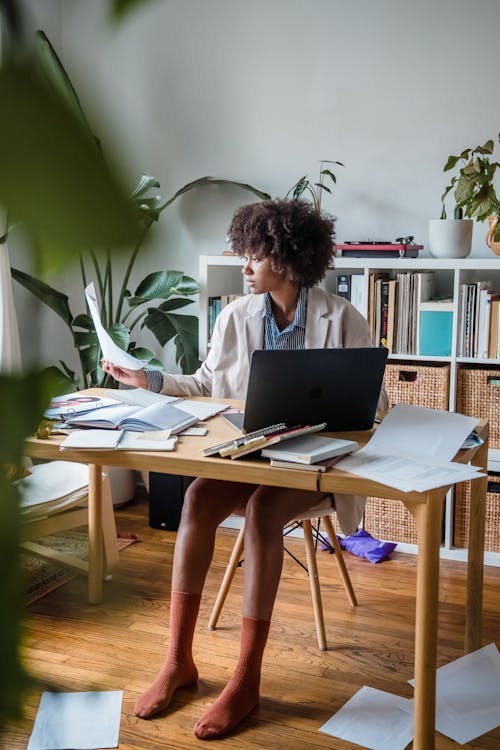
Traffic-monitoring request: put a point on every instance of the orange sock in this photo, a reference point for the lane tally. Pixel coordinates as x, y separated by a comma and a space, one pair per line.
241, 694
179, 669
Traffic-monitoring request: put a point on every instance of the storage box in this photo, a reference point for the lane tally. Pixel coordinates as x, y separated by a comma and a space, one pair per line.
492, 526
421, 385
435, 329
478, 395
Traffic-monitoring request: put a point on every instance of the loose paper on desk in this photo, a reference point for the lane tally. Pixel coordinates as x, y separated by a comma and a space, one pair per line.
110, 350
412, 450
373, 719
468, 695
82, 721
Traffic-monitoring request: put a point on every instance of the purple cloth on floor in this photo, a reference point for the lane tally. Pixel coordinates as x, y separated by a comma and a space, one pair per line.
363, 544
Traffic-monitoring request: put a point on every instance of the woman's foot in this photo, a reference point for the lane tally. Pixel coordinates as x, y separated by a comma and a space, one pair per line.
158, 696
235, 702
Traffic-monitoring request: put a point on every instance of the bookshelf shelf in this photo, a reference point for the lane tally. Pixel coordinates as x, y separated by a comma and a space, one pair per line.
221, 274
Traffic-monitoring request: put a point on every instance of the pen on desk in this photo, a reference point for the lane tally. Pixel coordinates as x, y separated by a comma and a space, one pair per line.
252, 442
120, 438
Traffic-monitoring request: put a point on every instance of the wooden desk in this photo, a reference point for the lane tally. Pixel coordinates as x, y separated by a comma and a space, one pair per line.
426, 507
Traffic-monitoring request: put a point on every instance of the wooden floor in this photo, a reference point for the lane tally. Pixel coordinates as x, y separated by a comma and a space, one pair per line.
73, 646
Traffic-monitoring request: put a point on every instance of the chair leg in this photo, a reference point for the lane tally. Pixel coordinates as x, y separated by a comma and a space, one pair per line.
339, 559
314, 584
228, 578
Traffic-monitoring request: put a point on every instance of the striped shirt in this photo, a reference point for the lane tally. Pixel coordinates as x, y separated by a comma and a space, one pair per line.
291, 337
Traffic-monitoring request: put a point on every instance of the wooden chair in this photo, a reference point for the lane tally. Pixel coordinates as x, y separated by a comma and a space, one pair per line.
53, 499
322, 512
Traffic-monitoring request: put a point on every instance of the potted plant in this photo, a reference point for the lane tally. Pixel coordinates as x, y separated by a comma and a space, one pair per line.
315, 189
475, 198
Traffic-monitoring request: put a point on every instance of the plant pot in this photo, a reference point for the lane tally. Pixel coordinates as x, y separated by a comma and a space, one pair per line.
122, 483
450, 238
490, 237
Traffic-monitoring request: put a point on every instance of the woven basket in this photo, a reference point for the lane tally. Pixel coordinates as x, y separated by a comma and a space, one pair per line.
390, 521
492, 527
477, 397
422, 385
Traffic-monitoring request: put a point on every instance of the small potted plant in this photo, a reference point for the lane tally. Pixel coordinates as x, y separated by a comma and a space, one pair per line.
475, 198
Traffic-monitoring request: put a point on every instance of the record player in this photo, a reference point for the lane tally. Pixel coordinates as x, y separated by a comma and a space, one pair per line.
402, 247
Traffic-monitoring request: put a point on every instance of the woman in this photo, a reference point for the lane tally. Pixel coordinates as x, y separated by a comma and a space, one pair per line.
286, 248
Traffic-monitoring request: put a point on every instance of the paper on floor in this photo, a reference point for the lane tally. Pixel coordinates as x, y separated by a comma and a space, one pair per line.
81, 721
373, 719
468, 695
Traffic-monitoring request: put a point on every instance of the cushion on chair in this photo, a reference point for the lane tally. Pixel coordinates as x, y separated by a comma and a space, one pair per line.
323, 508
52, 487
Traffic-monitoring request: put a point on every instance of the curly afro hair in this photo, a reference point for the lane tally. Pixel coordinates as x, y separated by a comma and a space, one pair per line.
290, 232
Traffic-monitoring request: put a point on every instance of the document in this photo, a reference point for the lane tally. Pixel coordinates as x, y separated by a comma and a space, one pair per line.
85, 721
468, 695
412, 450
109, 349
373, 719
98, 439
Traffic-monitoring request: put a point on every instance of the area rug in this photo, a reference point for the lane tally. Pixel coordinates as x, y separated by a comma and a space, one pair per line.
41, 576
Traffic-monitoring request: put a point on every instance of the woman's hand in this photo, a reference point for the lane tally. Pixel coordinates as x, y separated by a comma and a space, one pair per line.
135, 378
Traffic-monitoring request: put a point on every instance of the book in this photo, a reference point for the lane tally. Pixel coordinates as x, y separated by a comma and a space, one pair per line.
358, 293
264, 441
310, 449
436, 324
392, 314
99, 439
344, 285
319, 466
494, 328
158, 416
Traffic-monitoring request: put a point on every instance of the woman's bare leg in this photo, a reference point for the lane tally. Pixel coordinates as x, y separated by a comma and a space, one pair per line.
206, 503
267, 511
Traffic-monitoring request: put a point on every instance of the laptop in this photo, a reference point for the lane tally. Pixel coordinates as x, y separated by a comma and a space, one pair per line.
307, 386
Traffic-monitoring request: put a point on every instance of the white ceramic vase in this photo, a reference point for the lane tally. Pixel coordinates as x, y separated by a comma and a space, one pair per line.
450, 238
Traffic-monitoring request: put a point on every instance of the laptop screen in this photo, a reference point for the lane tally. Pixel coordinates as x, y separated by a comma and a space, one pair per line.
307, 386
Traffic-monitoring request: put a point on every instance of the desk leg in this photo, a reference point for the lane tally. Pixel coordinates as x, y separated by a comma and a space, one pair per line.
475, 559
428, 518
96, 546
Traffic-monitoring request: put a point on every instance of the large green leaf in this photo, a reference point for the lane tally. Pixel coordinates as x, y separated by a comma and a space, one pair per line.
183, 329
206, 181
57, 77
57, 301
162, 284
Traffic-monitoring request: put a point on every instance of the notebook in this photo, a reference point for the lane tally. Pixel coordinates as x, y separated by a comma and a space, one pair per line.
306, 386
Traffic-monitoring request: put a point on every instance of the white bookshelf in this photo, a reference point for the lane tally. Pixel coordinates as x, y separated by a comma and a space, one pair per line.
222, 274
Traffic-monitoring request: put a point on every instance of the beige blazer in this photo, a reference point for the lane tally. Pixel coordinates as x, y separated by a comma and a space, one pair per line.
239, 330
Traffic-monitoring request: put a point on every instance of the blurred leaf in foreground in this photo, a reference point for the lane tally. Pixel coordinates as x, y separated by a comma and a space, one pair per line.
54, 178
22, 402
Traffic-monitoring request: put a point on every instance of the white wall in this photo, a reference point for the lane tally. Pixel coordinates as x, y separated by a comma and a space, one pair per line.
261, 91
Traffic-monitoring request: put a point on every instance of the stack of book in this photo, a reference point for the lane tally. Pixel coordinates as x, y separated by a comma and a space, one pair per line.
309, 452
479, 321
302, 447
215, 305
